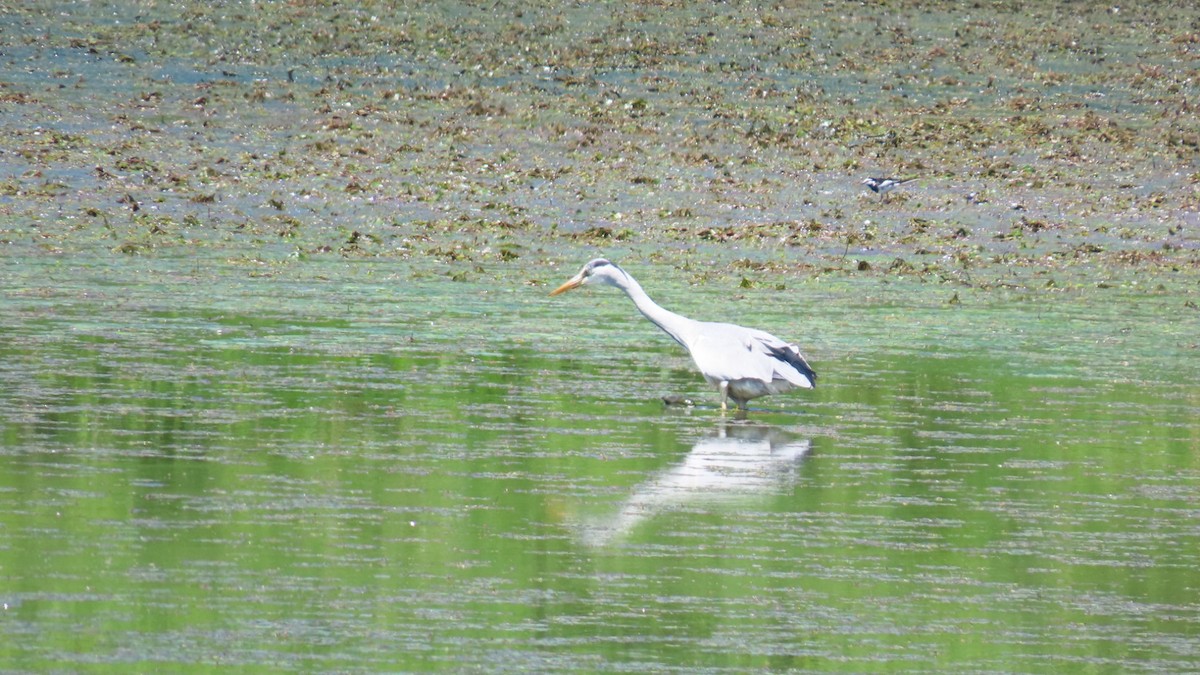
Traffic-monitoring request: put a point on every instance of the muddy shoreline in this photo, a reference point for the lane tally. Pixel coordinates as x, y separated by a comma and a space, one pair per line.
1055, 148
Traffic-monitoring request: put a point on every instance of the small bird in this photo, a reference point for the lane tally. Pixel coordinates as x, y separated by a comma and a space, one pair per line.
882, 186
742, 363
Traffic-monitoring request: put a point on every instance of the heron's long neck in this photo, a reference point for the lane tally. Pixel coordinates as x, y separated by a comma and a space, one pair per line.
672, 324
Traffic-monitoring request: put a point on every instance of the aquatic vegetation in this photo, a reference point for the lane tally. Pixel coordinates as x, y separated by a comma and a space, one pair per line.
685, 130
282, 390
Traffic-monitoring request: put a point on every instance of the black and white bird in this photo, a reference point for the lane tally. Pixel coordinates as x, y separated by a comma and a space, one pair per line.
882, 186
742, 363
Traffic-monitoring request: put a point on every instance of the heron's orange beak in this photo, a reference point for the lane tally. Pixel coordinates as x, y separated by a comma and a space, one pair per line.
574, 282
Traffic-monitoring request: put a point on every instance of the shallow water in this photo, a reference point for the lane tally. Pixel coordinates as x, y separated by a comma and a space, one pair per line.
281, 388
349, 467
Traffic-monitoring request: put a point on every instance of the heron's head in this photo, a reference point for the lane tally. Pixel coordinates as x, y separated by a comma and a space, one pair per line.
596, 271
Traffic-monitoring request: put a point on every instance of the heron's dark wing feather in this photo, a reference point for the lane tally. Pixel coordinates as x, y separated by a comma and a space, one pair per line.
789, 355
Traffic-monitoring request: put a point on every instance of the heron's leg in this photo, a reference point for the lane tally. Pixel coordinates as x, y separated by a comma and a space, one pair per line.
724, 387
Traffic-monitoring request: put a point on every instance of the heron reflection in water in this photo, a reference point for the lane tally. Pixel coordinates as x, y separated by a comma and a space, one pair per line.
739, 464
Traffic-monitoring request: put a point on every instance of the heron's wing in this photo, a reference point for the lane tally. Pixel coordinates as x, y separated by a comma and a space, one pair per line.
788, 363
727, 352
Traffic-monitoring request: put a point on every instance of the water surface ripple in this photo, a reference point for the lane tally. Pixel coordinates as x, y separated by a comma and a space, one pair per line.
237, 479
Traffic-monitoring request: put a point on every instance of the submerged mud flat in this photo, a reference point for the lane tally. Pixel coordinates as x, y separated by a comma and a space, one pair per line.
280, 387
1054, 146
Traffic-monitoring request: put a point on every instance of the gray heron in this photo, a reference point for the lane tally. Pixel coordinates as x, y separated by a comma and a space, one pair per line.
742, 363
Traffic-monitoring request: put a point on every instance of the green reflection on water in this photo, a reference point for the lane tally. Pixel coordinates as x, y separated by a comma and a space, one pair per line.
194, 485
